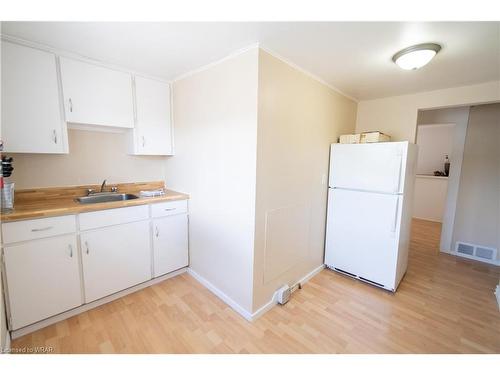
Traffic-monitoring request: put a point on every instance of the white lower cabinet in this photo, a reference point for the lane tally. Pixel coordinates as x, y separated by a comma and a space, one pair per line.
170, 243
115, 258
44, 266
43, 279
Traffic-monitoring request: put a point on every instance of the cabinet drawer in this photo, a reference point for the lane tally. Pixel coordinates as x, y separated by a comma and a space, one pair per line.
38, 228
169, 208
104, 218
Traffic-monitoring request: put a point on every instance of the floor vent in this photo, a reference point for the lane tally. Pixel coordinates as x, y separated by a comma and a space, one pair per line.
464, 248
481, 253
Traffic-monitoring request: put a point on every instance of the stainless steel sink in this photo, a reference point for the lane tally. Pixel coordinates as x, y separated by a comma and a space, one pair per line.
105, 197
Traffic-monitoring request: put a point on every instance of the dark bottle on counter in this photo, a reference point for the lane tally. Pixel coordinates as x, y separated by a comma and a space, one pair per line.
446, 166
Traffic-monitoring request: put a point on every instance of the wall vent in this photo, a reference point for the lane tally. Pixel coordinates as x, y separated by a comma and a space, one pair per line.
484, 252
465, 248
477, 252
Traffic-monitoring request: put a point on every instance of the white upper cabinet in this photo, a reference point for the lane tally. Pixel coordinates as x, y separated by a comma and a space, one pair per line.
94, 95
152, 134
31, 110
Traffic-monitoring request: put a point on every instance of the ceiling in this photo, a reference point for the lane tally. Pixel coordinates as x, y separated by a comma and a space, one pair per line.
354, 57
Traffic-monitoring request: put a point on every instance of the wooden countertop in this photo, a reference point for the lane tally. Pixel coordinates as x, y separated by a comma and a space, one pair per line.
46, 202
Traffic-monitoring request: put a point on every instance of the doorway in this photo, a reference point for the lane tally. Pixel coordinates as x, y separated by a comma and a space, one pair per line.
466, 201
441, 137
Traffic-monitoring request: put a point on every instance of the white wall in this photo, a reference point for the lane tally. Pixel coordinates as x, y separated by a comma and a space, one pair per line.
215, 126
478, 205
429, 198
298, 120
434, 143
397, 115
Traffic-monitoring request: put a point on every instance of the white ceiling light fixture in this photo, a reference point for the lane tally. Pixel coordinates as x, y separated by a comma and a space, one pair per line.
416, 56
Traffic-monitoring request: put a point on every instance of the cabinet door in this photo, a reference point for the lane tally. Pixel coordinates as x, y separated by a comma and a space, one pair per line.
153, 132
31, 110
170, 244
43, 279
115, 258
96, 95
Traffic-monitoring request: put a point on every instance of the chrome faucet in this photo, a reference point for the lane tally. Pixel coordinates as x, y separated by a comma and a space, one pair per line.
114, 189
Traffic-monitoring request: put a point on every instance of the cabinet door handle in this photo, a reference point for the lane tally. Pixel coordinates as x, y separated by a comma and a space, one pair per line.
157, 232
70, 105
170, 209
55, 136
70, 251
87, 246
41, 229
143, 141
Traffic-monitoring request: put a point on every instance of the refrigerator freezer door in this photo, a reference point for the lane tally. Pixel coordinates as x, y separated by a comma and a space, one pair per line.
375, 167
362, 234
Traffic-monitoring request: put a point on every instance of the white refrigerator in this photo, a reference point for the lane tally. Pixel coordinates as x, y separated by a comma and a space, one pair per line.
370, 200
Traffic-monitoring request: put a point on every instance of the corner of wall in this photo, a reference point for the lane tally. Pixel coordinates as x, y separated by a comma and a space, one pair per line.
299, 116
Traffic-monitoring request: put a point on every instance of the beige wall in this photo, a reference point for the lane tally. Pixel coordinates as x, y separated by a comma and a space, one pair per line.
397, 115
93, 156
478, 205
298, 120
434, 143
215, 124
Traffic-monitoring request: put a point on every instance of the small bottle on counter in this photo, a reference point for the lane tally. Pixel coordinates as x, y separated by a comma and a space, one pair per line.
446, 166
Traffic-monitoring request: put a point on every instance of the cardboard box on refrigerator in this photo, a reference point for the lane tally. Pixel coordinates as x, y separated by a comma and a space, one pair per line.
350, 138
373, 137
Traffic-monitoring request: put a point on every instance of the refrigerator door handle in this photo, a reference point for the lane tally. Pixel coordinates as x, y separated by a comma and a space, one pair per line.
397, 177
394, 223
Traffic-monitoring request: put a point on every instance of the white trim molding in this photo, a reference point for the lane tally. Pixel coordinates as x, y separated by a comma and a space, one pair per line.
237, 307
76, 56
308, 73
216, 62
274, 300
219, 293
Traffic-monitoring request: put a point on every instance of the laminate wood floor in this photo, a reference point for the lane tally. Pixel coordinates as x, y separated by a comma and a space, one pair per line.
444, 305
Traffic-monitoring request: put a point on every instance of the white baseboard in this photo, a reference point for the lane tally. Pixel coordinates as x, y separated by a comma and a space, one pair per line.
228, 300
311, 274
477, 259
236, 307
274, 300
497, 294
78, 310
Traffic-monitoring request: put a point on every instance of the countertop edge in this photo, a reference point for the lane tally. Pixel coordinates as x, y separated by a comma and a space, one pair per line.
78, 208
